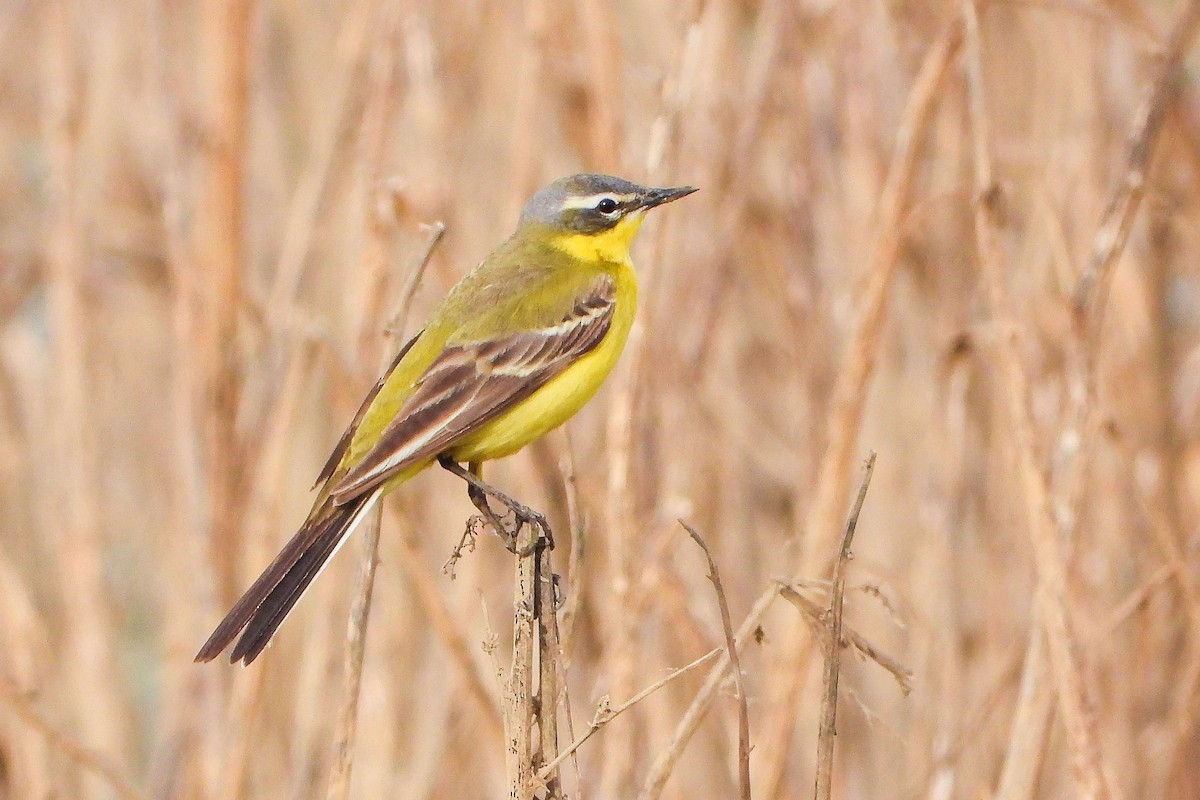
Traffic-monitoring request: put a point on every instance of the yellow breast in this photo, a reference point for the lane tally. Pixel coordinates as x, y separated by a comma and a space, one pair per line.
563, 396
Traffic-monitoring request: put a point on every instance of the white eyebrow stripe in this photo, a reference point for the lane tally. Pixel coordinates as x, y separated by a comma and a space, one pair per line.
593, 200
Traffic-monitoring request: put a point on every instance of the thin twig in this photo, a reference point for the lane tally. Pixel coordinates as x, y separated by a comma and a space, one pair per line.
1092, 292
576, 560
22, 704
833, 638
356, 640
735, 663
449, 631
605, 713
1031, 722
850, 638
395, 326
661, 769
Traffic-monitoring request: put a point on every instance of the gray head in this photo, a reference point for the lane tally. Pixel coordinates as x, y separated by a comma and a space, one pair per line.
591, 204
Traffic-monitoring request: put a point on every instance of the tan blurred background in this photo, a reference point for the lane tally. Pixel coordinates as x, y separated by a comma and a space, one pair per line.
210, 212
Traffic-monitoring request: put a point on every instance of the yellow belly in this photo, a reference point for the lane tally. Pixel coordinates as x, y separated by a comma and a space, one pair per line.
562, 397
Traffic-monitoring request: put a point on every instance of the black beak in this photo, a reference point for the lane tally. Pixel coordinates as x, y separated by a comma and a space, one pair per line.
656, 197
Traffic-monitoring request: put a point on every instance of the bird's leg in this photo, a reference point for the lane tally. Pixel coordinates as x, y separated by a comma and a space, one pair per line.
479, 500
479, 491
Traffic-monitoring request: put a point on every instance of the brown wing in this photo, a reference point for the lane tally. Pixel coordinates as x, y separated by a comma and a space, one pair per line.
471, 383
335, 458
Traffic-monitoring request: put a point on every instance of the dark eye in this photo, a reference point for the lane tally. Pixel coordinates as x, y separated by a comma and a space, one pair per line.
606, 206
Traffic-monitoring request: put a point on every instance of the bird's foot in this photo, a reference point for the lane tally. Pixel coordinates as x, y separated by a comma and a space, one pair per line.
524, 517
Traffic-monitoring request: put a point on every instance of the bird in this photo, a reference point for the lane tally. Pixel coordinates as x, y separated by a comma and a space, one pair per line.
514, 350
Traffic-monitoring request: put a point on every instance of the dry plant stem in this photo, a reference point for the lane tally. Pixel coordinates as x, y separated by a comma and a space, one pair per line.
520, 699
1034, 709
376, 250
549, 655
200, 725
305, 205
1091, 294
217, 249
452, 635
735, 664
1027, 740
573, 593
365, 297
71, 451
226, 35
1109, 243
395, 326
854, 376
617, 768
850, 389
264, 490
198, 596
832, 643
352, 660
604, 87
1052, 602
339, 780
576, 561
529, 87
605, 713
815, 614
1134, 602
1183, 713
661, 769
22, 704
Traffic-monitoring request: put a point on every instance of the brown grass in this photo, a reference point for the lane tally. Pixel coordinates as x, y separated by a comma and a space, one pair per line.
966, 237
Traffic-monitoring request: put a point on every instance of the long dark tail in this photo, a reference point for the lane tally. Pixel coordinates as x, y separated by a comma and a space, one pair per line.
267, 602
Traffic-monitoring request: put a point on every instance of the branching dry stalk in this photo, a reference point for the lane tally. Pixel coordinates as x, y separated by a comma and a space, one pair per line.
1090, 302
832, 642
209, 209
735, 665
815, 615
605, 713
661, 769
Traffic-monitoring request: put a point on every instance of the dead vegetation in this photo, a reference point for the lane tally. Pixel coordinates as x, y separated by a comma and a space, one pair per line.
965, 236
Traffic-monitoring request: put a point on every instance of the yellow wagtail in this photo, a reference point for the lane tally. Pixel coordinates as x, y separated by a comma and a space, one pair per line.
515, 349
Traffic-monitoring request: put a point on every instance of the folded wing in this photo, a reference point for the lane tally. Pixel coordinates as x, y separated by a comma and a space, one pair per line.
471, 383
